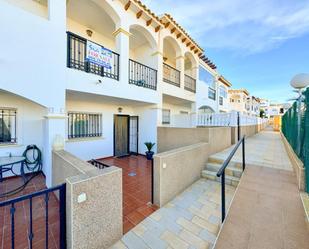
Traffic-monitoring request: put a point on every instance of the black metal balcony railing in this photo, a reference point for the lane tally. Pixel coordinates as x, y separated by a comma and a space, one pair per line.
190, 83
142, 75
171, 75
76, 58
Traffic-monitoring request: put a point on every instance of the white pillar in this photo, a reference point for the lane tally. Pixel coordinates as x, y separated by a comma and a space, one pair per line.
54, 126
180, 65
123, 49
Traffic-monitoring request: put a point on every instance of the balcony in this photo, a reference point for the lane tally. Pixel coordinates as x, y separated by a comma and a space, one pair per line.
190, 83
142, 75
76, 58
171, 75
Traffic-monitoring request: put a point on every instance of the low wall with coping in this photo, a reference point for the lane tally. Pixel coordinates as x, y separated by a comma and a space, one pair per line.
177, 169
170, 138
93, 202
298, 165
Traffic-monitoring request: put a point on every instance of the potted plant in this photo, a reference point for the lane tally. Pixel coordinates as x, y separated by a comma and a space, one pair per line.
149, 153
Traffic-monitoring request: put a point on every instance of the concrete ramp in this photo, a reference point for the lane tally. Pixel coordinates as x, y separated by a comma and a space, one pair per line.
266, 212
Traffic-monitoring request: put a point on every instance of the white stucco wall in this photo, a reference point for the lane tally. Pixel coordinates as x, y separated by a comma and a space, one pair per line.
30, 119
89, 148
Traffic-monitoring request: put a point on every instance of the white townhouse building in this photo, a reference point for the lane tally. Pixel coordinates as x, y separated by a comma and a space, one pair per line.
238, 100
253, 106
212, 90
97, 76
264, 105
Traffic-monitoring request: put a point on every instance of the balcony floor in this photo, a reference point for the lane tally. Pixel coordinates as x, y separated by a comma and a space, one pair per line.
136, 172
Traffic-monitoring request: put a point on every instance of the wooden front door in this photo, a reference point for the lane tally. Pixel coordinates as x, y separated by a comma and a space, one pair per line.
121, 135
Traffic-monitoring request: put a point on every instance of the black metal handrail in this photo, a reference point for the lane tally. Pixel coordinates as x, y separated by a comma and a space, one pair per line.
142, 75
171, 75
76, 58
221, 171
98, 164
190, 83
16, 203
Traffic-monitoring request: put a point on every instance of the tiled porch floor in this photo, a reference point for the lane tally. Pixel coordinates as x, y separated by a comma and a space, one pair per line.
22, 216
136, 171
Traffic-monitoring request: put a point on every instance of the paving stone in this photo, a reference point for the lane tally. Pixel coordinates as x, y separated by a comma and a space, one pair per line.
119, 245
193, 240
208, 236
131, 240
214, 229
174, 241
214, 219
153, 241
188, 225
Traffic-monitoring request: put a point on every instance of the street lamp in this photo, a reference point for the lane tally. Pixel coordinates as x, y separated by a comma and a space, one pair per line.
299, 82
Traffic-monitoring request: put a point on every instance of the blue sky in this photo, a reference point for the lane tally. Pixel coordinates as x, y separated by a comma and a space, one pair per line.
256, 44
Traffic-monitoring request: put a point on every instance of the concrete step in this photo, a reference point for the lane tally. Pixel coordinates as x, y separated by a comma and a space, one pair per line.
211, 175
229, 170
218, 160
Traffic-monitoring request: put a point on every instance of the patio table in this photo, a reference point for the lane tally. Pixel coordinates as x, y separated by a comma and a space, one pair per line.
7, 164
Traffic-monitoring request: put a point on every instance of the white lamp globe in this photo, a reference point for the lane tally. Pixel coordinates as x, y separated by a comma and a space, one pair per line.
300, 81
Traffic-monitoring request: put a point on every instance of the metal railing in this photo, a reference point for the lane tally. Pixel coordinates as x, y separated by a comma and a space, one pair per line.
20, 202
76, 58
221, 171
171, 75
190, 83
98, 164
142, 75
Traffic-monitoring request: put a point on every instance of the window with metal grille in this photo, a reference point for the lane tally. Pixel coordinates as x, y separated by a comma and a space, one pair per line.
166, 116
84, 125
8, 123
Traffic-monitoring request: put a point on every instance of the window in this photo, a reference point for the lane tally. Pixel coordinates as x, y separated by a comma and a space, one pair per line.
220, 100
166, 116
211, 93
8, 125
84, 125
206, 77
223, 91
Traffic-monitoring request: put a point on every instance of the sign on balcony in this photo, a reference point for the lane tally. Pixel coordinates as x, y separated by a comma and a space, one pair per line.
99, 55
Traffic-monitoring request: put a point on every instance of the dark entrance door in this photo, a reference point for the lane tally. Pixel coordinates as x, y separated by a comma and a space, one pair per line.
121, 135
134, 135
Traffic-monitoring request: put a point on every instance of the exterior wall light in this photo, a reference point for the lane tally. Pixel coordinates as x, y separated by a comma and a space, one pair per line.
120, 109
89, 32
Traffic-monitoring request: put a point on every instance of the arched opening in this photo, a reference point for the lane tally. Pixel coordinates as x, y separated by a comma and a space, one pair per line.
142, 63
205, 109
92, 21
172, 58
190, 65
142, 45
171, 50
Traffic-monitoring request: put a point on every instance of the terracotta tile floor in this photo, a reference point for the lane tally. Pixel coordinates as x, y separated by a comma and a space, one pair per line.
136, 171
22, 216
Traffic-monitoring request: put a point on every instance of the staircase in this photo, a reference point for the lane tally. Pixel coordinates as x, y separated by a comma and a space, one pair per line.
232, 172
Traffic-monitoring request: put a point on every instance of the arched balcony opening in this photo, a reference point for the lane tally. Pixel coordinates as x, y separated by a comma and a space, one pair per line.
142, 64
190, 68
173, 61
92, 22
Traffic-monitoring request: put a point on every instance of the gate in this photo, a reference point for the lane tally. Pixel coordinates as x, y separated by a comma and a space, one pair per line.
33, 227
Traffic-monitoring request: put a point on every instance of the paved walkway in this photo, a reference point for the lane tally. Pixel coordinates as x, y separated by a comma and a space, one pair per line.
266, 212
264, 149
191, 220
